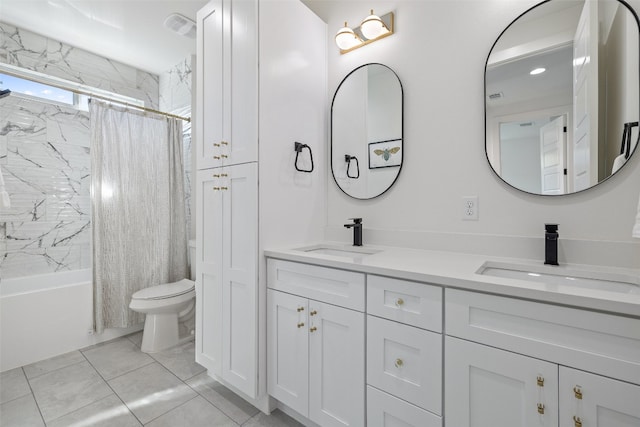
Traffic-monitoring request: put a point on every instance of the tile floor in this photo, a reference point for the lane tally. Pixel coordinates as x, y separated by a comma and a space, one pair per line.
115, 384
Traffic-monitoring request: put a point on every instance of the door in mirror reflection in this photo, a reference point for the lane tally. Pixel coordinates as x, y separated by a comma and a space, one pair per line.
366, 131
574, 63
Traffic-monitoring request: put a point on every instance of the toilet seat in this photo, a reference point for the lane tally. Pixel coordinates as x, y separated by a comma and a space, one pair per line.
168, 290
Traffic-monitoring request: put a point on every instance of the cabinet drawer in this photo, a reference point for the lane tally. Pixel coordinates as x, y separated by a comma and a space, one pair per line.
406, 362
597, 342
338, 287
412, 303
384, 410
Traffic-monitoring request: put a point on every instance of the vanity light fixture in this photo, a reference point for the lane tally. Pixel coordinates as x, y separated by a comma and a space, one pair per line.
372, 28
537, 71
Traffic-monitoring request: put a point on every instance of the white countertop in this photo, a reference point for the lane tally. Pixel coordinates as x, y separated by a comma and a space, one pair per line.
458, 270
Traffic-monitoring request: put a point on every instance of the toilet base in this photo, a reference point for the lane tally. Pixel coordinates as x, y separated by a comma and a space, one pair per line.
160, 332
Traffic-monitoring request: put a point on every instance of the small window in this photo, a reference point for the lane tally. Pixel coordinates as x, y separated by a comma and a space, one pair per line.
39, 90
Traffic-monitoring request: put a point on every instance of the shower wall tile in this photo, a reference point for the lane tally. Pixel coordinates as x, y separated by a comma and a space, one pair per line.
32, 51
175, 87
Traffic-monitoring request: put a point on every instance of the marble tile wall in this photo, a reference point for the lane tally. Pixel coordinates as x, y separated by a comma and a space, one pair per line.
175, 97
34, 52
46, 167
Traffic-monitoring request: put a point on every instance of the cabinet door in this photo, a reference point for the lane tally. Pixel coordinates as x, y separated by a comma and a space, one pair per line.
212, 43
288, 350
487, 387
590, 400
240, 277
209, 270
336, 366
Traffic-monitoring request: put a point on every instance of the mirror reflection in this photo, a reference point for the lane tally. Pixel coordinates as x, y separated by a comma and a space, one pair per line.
366, 131
562, 96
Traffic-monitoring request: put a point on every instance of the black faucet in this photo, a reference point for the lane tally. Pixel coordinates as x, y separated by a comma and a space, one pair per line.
551, 244
357, 231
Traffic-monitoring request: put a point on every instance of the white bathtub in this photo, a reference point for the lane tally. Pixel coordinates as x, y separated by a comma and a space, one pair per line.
46, 315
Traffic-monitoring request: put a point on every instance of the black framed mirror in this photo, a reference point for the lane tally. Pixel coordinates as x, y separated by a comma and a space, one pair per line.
562, 104
367, 131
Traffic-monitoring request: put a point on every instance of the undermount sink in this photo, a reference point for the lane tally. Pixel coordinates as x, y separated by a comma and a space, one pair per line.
564, 276
351, 252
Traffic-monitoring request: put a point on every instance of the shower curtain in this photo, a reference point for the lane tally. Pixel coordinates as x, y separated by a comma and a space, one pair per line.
138, 209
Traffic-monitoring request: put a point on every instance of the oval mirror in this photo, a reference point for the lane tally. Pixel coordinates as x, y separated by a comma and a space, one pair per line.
366, 131
562, 96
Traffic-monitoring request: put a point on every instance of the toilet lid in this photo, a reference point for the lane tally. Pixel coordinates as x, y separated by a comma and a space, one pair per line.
167, 290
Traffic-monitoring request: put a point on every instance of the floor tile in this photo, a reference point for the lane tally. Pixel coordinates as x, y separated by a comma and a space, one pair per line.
180, 360
195, 413
68, 389
116, 358
235, 407
20, 413
106, 412
136, 338
13, 385
151, 391
276, 419
48, 365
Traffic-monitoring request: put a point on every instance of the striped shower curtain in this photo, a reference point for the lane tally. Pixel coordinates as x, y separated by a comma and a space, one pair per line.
138, 209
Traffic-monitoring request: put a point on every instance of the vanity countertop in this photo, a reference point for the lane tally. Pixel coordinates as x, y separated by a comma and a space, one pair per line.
459, 270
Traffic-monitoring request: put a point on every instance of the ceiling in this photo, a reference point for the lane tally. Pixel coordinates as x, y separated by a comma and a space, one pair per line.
128, 31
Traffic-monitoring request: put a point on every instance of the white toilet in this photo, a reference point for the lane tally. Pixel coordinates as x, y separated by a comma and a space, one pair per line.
169, 309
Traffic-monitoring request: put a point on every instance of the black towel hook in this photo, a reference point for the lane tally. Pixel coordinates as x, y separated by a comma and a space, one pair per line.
299, 147
348, 158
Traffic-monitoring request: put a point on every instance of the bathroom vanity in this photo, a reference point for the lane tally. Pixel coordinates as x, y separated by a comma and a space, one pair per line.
391, 336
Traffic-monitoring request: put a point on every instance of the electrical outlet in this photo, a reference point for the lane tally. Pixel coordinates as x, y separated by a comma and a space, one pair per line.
470, 208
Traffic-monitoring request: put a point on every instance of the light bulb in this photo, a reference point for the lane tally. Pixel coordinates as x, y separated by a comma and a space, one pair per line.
346, 38
373, 27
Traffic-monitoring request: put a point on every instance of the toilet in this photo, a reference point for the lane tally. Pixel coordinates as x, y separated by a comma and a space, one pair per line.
169, 309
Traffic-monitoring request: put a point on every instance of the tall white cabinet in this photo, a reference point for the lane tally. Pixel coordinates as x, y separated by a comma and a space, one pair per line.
260, 88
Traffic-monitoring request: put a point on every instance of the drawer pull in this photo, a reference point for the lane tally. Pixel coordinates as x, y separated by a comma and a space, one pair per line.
224, 188
216, 175
299, 309
540, 381
300, 325
216, 157
540, 408
399, 302
313, 329
216, 145
216, 188
577, 391
313, 312
577, 421
224, 156
224, 175
224, 143
399, 363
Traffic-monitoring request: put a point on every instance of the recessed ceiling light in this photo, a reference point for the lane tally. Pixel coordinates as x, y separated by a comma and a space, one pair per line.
537, 71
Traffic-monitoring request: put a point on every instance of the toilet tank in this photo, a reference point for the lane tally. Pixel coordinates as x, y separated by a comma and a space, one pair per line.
192, 258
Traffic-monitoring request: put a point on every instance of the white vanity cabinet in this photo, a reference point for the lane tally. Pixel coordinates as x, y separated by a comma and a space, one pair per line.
511, 362
316, 349
404, 353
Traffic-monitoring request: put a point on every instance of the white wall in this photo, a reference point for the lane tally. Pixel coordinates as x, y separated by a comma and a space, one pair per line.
439, 52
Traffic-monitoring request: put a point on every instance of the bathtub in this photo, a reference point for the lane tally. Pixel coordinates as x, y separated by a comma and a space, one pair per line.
46, 315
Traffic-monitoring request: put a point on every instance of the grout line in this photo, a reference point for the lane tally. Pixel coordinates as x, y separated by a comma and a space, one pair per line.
173, 409
33, 395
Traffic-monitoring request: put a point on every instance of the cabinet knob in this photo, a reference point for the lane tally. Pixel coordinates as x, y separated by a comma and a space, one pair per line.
577, 421
300, 325
216, 145
216, 157
299, 309
313, 312
399, 363
224, 188
216, 175
224, 156
224, 143
399, 302
540, 381
224, 175
540, 408
577, 391
216, 188
313, 329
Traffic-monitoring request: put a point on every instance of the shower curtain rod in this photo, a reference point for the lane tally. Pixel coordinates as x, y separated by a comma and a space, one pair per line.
93, 95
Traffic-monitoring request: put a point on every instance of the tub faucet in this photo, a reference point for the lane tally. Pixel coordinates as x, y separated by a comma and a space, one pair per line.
551, 244
357, 230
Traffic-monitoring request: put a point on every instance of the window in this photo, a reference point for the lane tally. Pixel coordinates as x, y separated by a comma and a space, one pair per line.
39, 90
